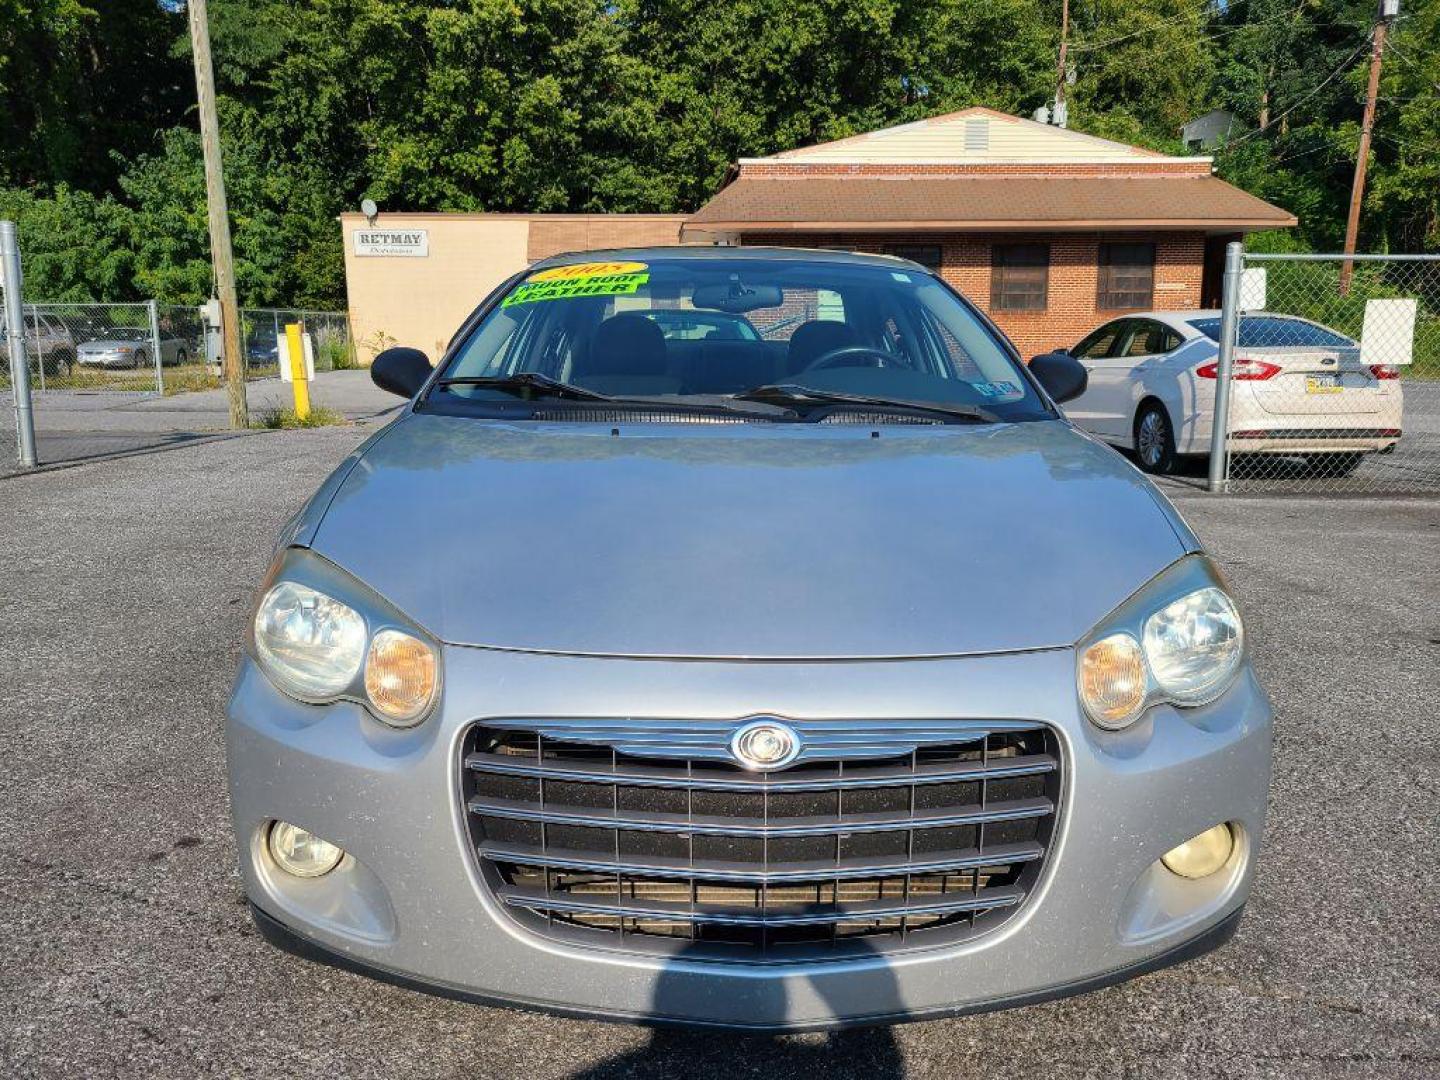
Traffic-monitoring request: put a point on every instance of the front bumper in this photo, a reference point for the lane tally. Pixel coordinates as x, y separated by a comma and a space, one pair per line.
408, 903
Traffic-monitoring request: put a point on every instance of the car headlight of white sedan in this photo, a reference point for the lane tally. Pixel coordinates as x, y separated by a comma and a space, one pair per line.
1179, 640
322, 636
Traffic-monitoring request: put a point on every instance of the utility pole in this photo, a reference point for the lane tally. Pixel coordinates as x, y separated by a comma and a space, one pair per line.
1386, 11
221, 256
1059, 116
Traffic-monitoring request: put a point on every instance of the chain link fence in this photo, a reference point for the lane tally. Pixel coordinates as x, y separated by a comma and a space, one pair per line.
108, 378
262, 330
159, 349
1335, 384
92, 347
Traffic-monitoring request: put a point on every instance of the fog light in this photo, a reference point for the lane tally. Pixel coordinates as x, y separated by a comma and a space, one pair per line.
302, 853
1202, 855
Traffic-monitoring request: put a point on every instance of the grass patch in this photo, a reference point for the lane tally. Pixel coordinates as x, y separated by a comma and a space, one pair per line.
190, 378
278, 419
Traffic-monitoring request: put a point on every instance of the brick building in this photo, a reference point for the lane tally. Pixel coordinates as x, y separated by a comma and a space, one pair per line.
1050, 231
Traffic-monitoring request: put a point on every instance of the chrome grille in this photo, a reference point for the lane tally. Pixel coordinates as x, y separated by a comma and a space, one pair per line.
642, 834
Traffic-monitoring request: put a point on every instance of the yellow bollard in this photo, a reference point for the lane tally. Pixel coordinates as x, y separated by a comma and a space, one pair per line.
297, 370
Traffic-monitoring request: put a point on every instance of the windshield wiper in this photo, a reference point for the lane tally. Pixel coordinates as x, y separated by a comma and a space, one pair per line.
702, 404
794, 394
526, 380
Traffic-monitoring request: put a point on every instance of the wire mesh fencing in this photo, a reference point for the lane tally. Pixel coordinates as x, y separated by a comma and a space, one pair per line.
91, 347
261, 332
263, 329
1335, 386
150, 348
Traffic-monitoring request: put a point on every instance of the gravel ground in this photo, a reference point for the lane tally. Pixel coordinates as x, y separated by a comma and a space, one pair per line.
126, 949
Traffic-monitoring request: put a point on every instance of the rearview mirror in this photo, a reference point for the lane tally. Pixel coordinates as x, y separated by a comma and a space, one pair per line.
1063, 377
735, 297
400, 371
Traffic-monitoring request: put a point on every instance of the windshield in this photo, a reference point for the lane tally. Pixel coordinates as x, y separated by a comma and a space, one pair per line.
677, 331
1267, 331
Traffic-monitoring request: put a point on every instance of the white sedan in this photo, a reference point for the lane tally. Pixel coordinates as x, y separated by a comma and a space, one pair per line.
1299, 389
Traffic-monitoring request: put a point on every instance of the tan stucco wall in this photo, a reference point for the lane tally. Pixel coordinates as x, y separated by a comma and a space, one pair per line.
421, 302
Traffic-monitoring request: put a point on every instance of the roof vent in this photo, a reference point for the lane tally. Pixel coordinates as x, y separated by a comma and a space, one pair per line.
977, 134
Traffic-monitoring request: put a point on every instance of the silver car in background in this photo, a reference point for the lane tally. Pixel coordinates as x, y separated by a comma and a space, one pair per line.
127, 347
49, 344
806, 670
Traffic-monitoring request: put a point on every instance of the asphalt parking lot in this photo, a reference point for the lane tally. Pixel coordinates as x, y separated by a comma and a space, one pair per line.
126, 948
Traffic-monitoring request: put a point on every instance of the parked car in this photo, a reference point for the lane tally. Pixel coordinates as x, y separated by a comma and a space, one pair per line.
46, 338
262, 352
131, 347
694, 325
871, 691
1299, 389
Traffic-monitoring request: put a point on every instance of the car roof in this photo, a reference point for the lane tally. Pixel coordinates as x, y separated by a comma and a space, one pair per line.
1176, 320
702, 252
1184, 321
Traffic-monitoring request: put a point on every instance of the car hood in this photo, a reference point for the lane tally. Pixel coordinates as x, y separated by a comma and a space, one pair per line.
109, 345
754, 540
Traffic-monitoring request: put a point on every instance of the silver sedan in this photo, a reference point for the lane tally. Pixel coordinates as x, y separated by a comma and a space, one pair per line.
131, 348
828, 676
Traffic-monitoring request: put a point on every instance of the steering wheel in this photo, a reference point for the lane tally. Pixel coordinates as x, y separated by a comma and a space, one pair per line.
848, 355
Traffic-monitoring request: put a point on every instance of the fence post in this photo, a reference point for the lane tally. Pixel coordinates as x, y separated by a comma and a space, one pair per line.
39, 346
1229, 324
15, 339
155, 347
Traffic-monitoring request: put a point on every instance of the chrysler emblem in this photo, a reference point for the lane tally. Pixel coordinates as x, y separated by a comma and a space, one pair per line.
764, 743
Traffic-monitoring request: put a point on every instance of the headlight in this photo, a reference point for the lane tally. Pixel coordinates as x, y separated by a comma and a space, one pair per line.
400, 677
321, 636
1178, 639
309, 643
1193, 645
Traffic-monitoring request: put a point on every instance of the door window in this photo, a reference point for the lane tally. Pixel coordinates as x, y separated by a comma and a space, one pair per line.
1098, 345
1144, 338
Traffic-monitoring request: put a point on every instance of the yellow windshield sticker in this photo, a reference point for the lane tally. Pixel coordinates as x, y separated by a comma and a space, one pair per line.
582, 279
588, 270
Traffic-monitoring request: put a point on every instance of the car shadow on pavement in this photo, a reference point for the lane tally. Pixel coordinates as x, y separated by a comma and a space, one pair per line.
871, 1052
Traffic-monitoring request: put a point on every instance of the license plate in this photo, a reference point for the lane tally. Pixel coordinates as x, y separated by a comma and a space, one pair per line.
1322, 384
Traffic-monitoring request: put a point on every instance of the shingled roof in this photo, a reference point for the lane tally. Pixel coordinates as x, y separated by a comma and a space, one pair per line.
978, 169
859, 203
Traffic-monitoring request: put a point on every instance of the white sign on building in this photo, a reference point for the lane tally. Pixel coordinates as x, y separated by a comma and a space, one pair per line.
404, 243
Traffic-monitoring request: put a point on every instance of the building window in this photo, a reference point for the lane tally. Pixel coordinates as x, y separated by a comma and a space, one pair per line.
1127, 277
1019, 277
927, 255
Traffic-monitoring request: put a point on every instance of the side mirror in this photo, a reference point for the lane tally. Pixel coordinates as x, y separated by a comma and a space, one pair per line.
1063, 377
400, 371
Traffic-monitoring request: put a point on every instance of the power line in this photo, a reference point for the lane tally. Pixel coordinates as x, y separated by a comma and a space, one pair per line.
1224, 31
1407, 144
1310, 94
1302, 153
1089, 46
1410, 61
